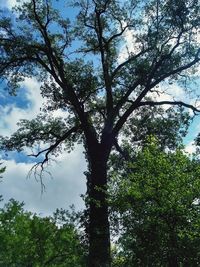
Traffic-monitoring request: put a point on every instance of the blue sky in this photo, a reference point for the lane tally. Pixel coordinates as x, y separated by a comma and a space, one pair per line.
68, 179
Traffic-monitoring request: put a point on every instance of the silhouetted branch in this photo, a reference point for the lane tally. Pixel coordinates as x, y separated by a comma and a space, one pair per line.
173, 103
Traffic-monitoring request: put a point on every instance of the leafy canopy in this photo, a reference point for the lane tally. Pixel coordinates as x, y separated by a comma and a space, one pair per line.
30, 240
86, 69
155, 208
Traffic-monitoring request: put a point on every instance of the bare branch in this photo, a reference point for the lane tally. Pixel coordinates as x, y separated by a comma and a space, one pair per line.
55, 145
38, 169
104, 57
54, 63
47, 15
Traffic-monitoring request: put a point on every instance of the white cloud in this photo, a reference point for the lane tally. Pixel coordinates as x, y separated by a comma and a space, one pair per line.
168, 92
190, 147
11, 114
128, 46
62, 191
10, 3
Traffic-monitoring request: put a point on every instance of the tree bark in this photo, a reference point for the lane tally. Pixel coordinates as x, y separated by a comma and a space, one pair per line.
98, 228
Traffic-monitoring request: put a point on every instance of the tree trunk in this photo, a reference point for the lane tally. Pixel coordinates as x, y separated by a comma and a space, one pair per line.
173, 259
98, 228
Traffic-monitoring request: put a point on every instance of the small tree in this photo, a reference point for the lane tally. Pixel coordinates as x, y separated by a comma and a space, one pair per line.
82, 71
30, 240
156, 204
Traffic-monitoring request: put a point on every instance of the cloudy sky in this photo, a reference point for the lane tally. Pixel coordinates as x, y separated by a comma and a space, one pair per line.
68, 181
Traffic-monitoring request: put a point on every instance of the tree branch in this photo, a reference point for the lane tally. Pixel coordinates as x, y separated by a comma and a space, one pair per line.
149, 86
164, 57
178, 70
48, 150
117, 34
173, 103
54, 63
104, 50
126, 62
120, 150
55, 145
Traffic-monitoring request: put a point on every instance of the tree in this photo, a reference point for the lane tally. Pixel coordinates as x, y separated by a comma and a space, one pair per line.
83, 73
157, 208
30, 240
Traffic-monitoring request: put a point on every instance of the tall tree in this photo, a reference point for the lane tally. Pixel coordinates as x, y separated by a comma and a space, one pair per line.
84, 72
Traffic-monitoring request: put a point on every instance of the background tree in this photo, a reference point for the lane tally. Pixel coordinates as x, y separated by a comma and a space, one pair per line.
156, 207
30, 240
83, 73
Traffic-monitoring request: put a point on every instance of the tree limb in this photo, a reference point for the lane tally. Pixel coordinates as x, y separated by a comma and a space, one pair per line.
173, 103
55, 145
126, 62
149, 86
120, 150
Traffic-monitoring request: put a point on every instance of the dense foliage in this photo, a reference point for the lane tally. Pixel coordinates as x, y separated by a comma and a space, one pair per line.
156, 209
30, 240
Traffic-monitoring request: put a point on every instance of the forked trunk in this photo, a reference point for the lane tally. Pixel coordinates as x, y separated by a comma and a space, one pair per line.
99, 234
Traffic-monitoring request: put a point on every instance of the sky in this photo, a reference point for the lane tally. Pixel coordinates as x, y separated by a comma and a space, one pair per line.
68, 181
